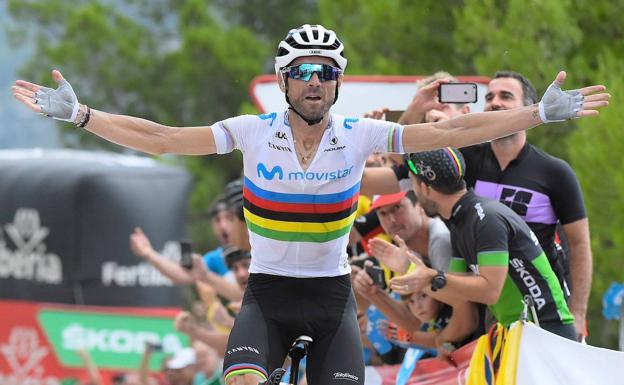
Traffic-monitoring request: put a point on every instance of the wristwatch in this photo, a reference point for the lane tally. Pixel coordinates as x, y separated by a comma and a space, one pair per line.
439, 281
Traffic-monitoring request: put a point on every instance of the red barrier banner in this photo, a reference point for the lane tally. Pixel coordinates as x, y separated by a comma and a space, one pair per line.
39, 341
428, 371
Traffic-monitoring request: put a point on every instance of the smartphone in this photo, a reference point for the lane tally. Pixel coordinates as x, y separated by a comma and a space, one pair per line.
393, 115
377, 274
359, 262
457, 93
186, 255
154, 346
119, 379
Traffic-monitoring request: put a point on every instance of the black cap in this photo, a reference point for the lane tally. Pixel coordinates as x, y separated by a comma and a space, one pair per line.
217, 206
444, 167
234, 254
233, 195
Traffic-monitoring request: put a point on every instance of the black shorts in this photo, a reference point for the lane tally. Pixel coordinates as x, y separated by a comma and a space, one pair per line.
276, 310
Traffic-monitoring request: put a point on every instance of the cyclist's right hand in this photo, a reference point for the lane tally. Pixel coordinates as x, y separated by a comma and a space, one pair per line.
60, 103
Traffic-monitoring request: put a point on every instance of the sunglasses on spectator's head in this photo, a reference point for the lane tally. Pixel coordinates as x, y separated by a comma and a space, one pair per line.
413, 167
305, 71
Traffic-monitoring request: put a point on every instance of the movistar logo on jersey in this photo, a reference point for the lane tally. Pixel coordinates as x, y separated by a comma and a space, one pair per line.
264, 172
327, 175
270, 174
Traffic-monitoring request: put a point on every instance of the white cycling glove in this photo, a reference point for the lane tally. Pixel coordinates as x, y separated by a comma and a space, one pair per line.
60, 104
558, 105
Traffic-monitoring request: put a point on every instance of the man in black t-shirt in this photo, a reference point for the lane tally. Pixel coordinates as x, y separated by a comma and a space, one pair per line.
540, 188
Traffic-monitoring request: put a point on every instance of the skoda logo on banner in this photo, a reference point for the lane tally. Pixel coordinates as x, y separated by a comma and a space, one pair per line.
270, 174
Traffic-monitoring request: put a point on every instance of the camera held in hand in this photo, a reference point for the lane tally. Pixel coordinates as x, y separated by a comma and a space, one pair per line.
186, 254
153, 346
377, 275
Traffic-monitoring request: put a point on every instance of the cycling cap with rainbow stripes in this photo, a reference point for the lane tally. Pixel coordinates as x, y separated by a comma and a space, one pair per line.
444, 167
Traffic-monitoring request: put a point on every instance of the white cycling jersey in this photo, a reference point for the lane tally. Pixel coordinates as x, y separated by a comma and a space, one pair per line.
299, 221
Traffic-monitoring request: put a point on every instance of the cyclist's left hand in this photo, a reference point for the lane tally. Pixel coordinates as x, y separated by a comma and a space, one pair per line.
558, 105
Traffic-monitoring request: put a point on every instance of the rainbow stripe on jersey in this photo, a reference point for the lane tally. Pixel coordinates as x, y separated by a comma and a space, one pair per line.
299, 217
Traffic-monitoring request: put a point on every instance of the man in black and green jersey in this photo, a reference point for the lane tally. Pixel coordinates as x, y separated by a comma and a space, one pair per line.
490, 240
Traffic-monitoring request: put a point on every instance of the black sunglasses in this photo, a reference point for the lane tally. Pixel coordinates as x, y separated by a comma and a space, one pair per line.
305, 71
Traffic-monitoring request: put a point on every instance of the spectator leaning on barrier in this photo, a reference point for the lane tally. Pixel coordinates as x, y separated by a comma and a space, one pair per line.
400, 214
491, 241
427, 238
542, 189
424, 107
142, 247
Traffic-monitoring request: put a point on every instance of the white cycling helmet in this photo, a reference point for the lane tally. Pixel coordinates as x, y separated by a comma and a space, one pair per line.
310, 40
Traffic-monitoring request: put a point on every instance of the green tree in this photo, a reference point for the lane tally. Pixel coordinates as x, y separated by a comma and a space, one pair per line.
597, 156
535, 38
538, 38
178, 62
170, 61
270, 20
395, 37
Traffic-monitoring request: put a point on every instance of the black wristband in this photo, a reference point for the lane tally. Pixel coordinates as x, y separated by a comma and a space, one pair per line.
400, 171
439, 281
86, 118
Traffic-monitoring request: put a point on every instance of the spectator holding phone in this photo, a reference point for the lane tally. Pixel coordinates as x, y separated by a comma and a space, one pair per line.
142, 375
402, 217
400, 214
424, 107
142, 247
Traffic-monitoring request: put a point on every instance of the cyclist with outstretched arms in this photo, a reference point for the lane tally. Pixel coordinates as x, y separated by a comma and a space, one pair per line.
302, 171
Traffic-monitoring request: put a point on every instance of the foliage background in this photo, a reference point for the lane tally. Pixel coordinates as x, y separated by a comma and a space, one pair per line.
189, 62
